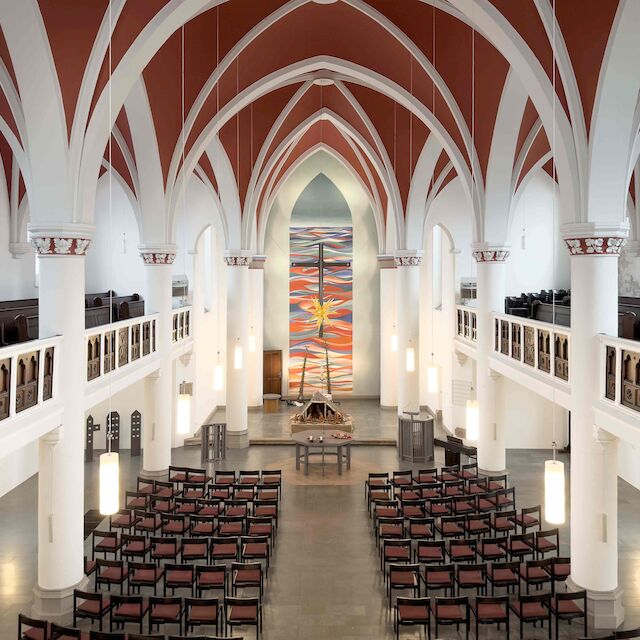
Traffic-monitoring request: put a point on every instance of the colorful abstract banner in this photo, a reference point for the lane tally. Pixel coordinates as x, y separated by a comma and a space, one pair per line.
303, 301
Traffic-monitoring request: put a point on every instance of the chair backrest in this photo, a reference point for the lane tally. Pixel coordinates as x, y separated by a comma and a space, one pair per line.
266, 473
210, 568
162, 600
145, 483
500, 541
141, 566
479, 517
117, 600
106, 635
451, 468
463, 542
107, 563
500, 479
528, 510
86, 595
200, 602
405, 568
492, 600
405, 542
224, 474
472, 466
521, 537
200, 541
440, 568
243, 473
543, 598
480, 567
32, 623
582, 595
194, 486
130, 496
376, 476
549, 533
236, 601
159, 484
477, 482
58, 631
545, 563
156, 540
100, 535
127, 538
512, 566
416, 602
459, 601
242, 566
511, 514
182, 568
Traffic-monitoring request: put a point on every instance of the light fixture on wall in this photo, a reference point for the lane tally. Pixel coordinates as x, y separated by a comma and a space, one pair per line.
184, 408
218, 375
109, 480
252, 340
410, 359
433, 377
473, 418
237, 356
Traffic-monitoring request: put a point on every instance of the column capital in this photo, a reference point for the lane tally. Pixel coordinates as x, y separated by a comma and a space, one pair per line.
237, 258
257, 261
408, 258
386, 261
153, 254
62, 240
487, 252
595, 238
53, 437
603, 437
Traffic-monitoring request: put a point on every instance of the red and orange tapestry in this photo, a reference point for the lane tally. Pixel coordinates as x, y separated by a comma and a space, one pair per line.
334, 312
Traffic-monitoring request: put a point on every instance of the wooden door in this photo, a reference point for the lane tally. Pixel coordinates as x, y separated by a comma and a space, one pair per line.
272, 372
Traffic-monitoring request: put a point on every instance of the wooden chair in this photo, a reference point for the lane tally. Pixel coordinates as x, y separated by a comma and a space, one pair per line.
420, 528
110, 572
396, 551
503, 574
547, 542
389, 529
35, 629
144, 574
255, 549
127, 609
472, 576
559, 570
163, 548
535, 572
451, 526
401, 479
251, 478
202, 526
451, 611
194, 490
123, 520
503, 523
135, 546
211, 578
532, 609
201, 612
179, 576
174, 524
194, 549
247, 575
260, 526
564, 607
223, 549
412, 612
403, 576
491, 610
529, 518
492, 549
520, 546
230, 526
241, 612
439, 577
147, 523
462, 550
430, 552
426, 476
105, 542
90, 606
58, 632
224, 477
477, 524
164, 610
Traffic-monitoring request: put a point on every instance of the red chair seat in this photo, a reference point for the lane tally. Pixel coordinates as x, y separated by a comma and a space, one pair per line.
391, 530
259, 529
477, 525
248, 576
174, 526
412, 511
137, 546
108, 544
186, 508
387, 512
451, 528
410, 495
131, 610
493, 550
124, 520
180, 476
402, 481
530, 610
224, 550
166, 611
256, 548
439, 577
248, 495
448, 477
276, 480
198, 479
165, 550
561, 570
518, 546
422, 530
211, 510
203, 613
502, 575
210, 578
491, 612
565, 607
503, 524
439, 509
192, 494
470, 578
236, 511
264, 495
111, 573
463, 507
147, 523
243, 612
404, 578
225, 480
269, 510
179, 577
164, 492
461, 551
93, 606
397, 553
204, 527
231, 528
544, 544
424, 478
34, 634
534, 574
450, 612
413, 613
191, 550
430, 553
147, 575
526, 520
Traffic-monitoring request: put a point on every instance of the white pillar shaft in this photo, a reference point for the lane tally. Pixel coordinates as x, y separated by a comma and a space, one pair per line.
256, 324
491, 292
237, 337
594, 469
61, 465
408, 324
157, 434
388, 358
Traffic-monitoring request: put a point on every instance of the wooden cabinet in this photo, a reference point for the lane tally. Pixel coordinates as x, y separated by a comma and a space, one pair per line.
272, 372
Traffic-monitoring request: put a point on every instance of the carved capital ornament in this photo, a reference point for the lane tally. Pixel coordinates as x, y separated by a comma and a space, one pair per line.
237, 261
408, 261
596, 246
491, 255
58, 246
157, 257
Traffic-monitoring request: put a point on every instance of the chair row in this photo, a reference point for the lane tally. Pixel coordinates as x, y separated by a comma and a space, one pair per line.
487, 610
452, 578
179, 475
185, 613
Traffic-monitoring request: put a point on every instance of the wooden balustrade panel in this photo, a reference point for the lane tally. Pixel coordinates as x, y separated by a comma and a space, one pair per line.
631, 380
460, 323
5, 387
530, 346
504, 337
187, 323
561, 365
47, 381
27, 381
135, 342
146, 338
496, 335
109, 351
93, 357
474, 327
181, 326
610, 368
154, 338
123, 346
516, 342
544, 351
174, 333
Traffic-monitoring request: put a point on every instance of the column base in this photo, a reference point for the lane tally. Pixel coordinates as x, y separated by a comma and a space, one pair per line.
55, 605
238, 439
162, 473
604, 608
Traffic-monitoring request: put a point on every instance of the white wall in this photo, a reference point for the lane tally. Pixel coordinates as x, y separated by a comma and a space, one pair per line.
18, 467
366, 279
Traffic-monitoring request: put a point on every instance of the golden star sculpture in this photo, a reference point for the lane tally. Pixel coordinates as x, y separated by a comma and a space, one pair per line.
321, 311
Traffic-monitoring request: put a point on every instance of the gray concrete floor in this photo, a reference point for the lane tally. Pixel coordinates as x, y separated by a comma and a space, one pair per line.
325, 581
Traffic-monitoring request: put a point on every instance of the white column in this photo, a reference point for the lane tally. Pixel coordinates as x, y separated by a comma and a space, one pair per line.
594, 471
491, 270
408, 324
158, 428
237, 345
61, 255
448, 326
256, 328
388, 328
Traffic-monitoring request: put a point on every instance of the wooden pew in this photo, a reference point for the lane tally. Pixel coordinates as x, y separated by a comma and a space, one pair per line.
544, 312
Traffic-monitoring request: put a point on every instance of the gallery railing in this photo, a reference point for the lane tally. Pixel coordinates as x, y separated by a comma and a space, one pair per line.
466, 321
28, 375
620, 367
181, 326
536, 344
114, 346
